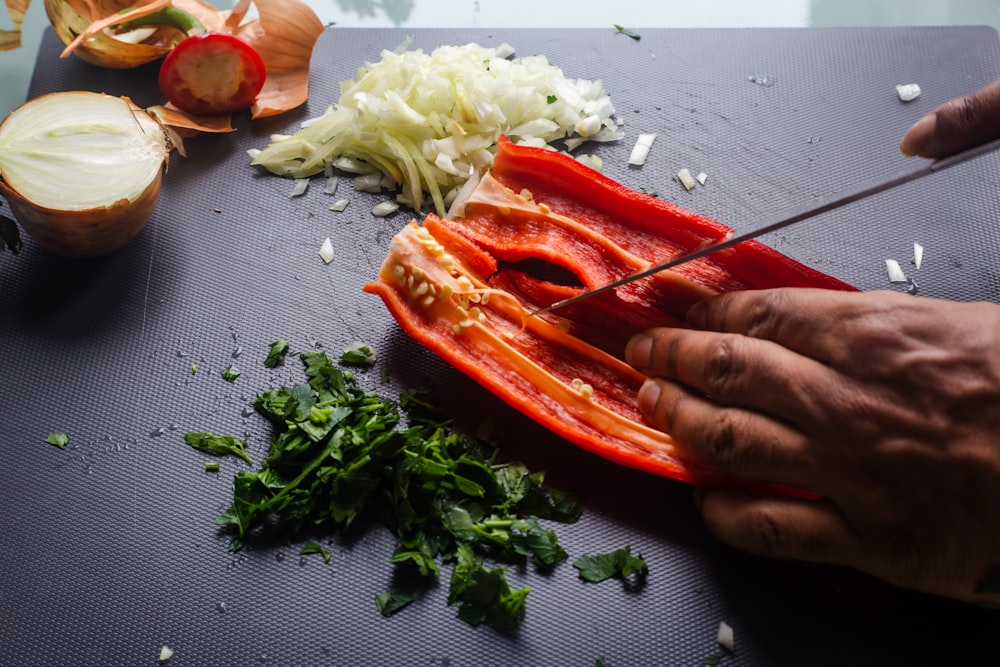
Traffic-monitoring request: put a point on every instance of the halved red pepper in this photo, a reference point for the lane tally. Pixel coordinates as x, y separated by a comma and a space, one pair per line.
464, 287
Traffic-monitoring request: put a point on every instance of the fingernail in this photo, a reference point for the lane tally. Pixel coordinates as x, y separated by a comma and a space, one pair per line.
697, 315
918, 138
639, 350
649, 395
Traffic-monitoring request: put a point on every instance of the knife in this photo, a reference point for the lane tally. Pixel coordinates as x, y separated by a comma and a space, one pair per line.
828, 204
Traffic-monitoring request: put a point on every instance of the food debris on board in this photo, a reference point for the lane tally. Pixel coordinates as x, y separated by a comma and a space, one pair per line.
326, 250
726, 637
895, 272
908, 91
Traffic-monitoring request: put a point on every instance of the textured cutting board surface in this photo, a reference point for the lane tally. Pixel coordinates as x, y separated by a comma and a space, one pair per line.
108, 549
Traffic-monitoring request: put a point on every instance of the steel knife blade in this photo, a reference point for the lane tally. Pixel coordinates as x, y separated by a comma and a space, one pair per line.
836, 200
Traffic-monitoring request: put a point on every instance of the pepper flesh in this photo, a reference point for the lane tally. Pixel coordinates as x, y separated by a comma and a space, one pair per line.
542, 227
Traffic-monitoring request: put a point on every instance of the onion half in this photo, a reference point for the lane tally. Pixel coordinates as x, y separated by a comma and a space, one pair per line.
81, 171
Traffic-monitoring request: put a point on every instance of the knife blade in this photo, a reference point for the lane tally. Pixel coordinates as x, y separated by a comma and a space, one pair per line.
830, 203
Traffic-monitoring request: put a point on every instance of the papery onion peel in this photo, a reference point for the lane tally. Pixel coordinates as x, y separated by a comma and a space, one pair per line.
284, 35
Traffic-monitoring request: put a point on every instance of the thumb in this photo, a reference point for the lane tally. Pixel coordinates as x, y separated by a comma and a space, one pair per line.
784, 528
956, 125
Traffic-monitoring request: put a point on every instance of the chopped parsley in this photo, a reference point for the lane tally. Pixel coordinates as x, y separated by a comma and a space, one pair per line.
342, 457
551, 99
619, 563
211, 466
276, 354
359, 354
229, 374
628, 33
218, 444
59, 439
711, 660
315, 548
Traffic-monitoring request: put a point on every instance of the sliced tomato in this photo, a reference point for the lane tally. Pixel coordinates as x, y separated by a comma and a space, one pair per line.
212, 74
463, 288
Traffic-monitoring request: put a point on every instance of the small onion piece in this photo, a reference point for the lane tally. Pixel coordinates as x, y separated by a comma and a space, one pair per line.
81, 171
894, 271
640, 151
726, 637
686, 179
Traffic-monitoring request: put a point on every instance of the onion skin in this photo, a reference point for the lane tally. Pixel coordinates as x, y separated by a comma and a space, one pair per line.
89, 233
101, 49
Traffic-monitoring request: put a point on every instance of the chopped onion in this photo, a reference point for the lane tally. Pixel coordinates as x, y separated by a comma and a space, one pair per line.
371, 182
593, 161
300, 187
918, 255
701, 178
641, 149
384, 208
686, 179
339, 206
895, 272
166, 653
422, 119
330, 185
908, 91
726, 637
326, 250
107, 158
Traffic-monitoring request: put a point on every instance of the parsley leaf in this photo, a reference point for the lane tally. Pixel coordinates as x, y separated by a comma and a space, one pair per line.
627, 32
340, 456
359, 354
218, 444
315, 548
229, 374
619, 563
276, 353
59, 439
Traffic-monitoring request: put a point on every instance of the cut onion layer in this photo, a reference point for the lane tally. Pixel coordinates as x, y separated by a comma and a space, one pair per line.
81, 171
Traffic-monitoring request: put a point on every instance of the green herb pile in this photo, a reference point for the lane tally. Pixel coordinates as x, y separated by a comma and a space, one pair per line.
341, 455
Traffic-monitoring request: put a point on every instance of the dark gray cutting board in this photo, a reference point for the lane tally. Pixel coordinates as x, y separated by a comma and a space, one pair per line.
108, 549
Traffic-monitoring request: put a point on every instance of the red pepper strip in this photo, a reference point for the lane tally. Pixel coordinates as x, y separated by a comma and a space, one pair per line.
431, 304
643, 224
449, 286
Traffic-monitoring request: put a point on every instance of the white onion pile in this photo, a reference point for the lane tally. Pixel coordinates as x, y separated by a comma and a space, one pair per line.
423, 122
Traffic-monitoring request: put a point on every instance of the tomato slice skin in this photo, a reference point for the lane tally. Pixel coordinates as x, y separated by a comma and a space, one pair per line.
212, 74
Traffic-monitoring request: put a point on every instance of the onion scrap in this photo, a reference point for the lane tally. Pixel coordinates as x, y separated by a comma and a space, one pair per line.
284, 35
11, 39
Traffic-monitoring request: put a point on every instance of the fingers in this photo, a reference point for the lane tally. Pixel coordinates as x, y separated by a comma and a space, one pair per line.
736, 370
787, 528
743, 443
956, 125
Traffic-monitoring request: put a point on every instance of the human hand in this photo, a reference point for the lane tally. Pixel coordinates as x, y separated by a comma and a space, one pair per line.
956, 125
886, 404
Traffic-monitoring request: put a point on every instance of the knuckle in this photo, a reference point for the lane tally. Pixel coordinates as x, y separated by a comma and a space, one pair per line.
727, 445
724, 368
762, 317
766, 531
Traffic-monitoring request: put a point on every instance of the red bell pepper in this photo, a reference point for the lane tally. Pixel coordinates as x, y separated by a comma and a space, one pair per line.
542, 227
